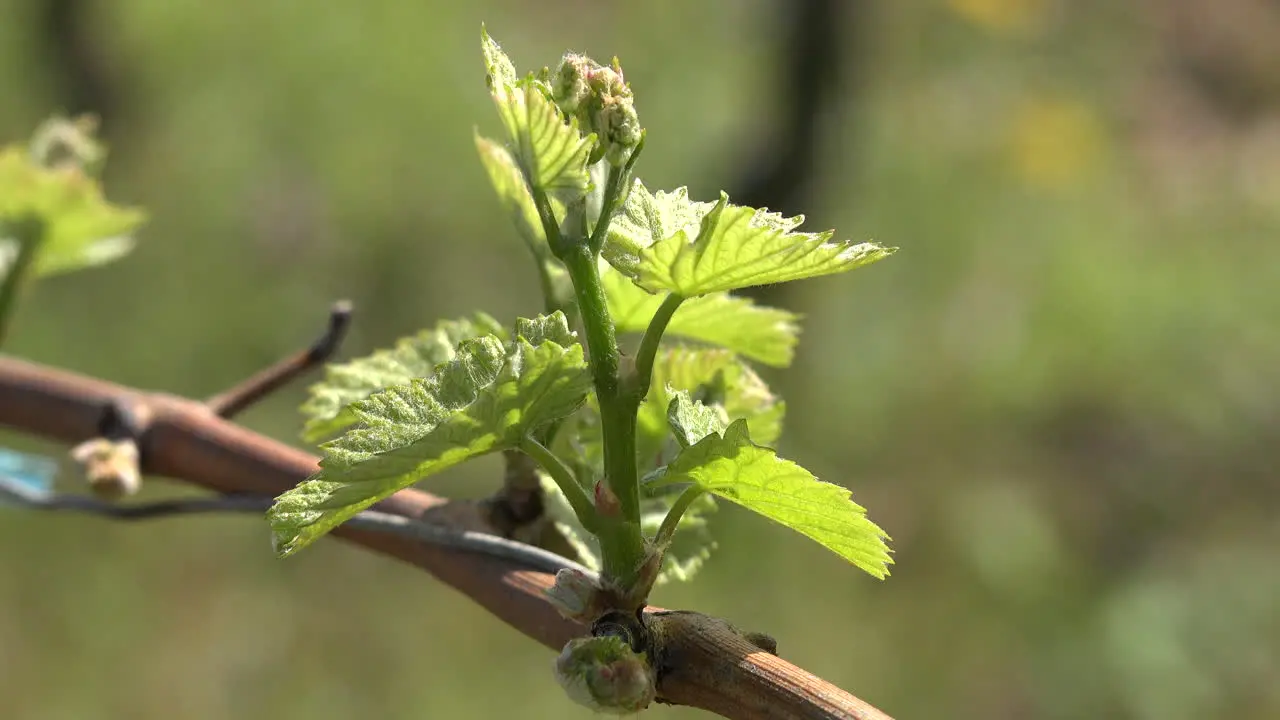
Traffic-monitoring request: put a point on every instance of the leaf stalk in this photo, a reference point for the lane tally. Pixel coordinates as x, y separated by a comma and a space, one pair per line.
672, 521
649, 346
564, 479
29, 233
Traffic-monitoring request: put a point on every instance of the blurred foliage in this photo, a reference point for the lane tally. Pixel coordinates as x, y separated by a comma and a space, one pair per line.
1060, 399
49, 185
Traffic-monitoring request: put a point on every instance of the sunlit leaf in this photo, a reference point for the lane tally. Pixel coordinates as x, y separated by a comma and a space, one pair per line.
546, 328
736, 469
549, 149
691, 421
667, 243
499, 70
647, 218
485, 399
767, 335
80, 228
508, 182
712, 376
739, 247
328, 409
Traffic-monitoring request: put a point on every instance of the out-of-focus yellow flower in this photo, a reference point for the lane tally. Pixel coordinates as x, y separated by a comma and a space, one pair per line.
1055, 142
1006, 17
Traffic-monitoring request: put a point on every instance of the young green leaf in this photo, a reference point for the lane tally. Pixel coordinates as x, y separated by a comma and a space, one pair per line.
667, 243
487, 398
549, 149
498, 68
81, 228
714, 376
732, 467
647, 218
738, 247
767, 335
508, 182
329, 408
691, 420
546, 328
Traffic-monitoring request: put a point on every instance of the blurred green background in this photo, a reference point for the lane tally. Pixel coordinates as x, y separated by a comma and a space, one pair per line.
1061, 398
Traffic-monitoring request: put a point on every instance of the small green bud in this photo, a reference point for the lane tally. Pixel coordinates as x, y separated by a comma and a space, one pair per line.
607, 81
620, 129
606, 675
569, 87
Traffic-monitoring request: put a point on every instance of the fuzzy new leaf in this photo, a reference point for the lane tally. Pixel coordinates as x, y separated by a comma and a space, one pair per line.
549, 149
647, 218
731, 247
508, 181
764, 334
715, 377
546, 328
81, 228
730, 466
329, 408
691, 421
485, 399
498, 68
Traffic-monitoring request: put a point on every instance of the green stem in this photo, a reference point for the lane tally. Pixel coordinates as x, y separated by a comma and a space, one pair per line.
613, 190
550, 227
621, 540
618, 420
565, 480
649, 345
29, 233
622, 551
607, 208
672, 521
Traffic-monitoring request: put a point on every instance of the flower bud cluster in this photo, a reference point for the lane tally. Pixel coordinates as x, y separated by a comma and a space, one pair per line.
602, 101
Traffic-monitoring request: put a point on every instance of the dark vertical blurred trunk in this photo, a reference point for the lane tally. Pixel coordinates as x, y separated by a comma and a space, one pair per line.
76, 63
821, 63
